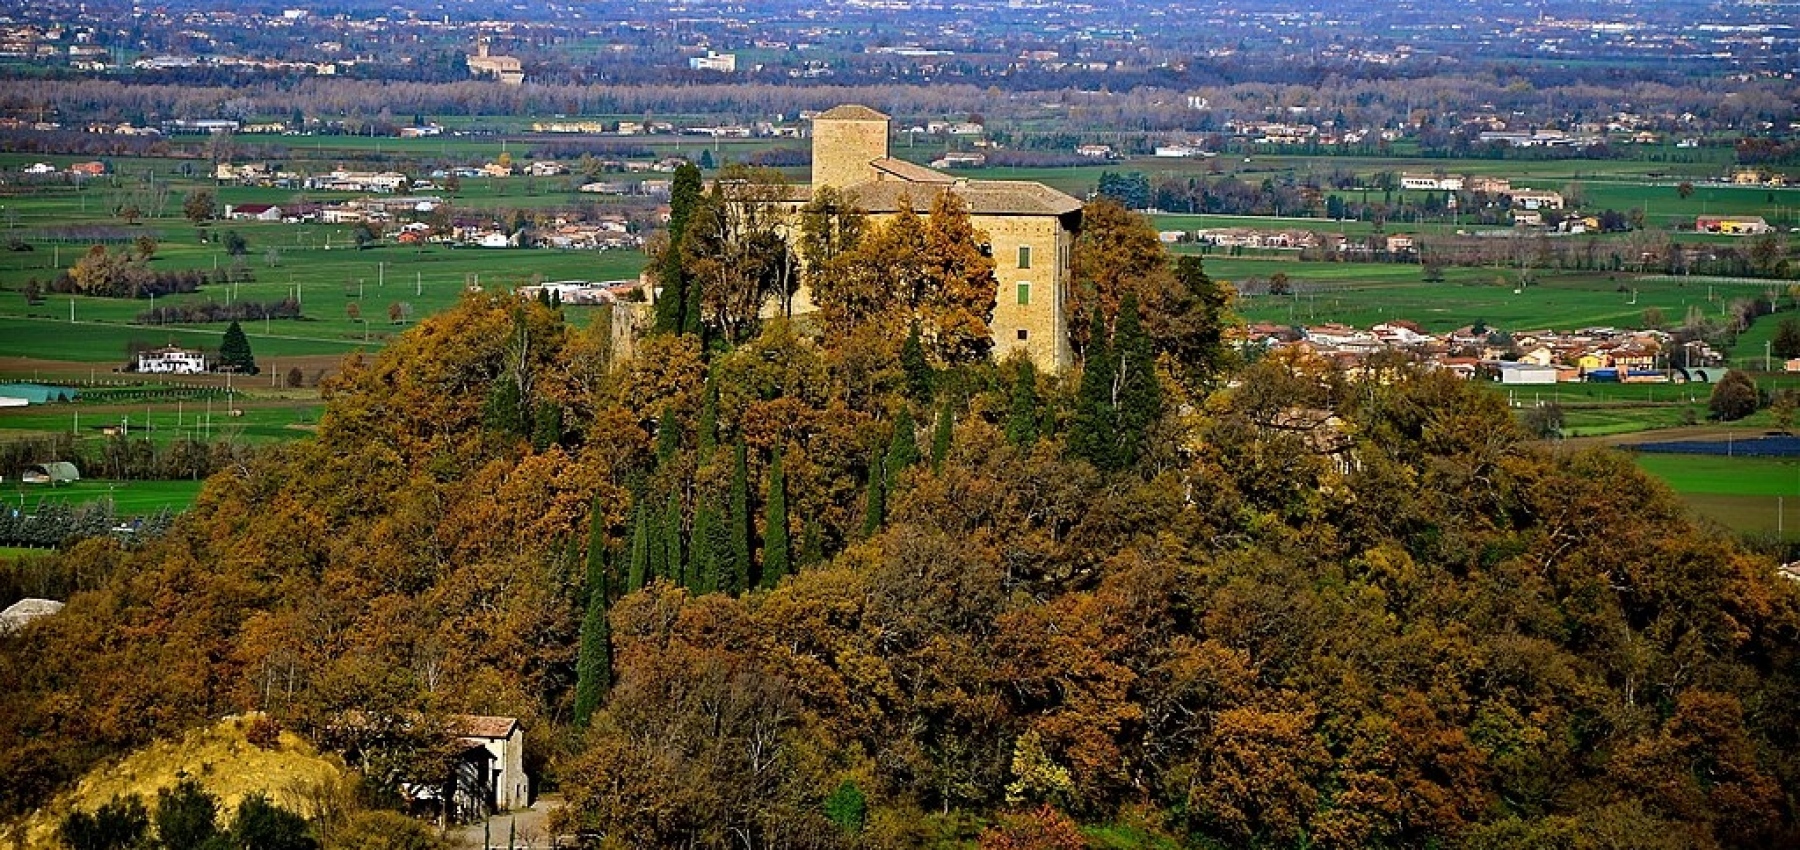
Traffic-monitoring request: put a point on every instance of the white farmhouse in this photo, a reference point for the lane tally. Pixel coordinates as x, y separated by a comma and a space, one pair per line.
503, 739
173, 361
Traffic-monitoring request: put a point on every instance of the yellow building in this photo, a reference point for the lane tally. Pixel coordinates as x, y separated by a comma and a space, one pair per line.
1029, 227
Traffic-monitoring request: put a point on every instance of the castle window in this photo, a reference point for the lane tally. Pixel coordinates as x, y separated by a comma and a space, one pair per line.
1024, 293
1024, 334
1024, 256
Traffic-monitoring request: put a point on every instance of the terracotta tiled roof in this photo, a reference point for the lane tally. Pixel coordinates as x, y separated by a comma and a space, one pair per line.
851, 112
983, 197
478, 726
909, 172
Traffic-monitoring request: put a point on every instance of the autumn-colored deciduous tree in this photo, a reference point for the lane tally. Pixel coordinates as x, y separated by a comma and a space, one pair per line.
1043, 828
1734, 397
735, 249
1117, 251
910, 268
200, 206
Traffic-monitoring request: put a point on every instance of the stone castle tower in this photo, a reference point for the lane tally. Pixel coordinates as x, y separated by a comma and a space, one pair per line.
846, 141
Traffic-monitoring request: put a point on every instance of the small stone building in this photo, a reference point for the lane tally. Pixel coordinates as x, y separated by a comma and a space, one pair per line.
498, 744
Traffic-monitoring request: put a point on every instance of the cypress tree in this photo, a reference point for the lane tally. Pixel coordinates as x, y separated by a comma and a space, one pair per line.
703, 560
1022, 416
918, 371
690, 311
874, 501
546, 425
672, 304
738, 520
940, 438
1139, 396
1090, 434
593, 666
672, 296
674, 567
504, 413
903, 451
668, 435
639, 570
775, 527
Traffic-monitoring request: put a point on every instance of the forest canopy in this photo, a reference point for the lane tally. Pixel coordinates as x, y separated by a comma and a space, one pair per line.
757, 587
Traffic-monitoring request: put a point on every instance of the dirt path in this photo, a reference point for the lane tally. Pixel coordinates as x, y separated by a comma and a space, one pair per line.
528, 829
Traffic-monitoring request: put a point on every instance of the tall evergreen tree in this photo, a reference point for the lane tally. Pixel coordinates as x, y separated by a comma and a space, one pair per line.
1138, 396
234, 351
903, 450
593, 664
668, 435
775, 527
674, 566
546, 424
941, 437
1022, 416
660, 564
738, 520
703, 557
874, 500
1090, 434
673, 302
503, 412
639, 569
913, 363
691, 311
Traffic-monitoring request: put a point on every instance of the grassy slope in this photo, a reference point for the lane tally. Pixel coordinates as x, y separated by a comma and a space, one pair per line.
220, 757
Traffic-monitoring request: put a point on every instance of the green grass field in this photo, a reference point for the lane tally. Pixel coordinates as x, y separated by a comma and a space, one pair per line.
130, 498
1746, 495
1364, 294
162, 421
1736, 476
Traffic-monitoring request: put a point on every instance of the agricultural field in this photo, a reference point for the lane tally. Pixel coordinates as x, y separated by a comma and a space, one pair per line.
1758, 495
129, 498
1363, 294
256, 420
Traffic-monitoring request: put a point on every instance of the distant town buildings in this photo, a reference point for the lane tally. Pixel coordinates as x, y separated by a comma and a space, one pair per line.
1733, 225
506, 69
723, 62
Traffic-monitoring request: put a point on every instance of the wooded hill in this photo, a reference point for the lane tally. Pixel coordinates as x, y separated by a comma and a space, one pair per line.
838, 591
